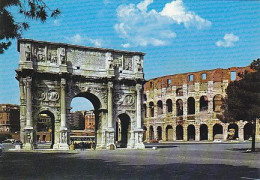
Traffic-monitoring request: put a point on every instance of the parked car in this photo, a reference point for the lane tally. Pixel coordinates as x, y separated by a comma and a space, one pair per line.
154, 141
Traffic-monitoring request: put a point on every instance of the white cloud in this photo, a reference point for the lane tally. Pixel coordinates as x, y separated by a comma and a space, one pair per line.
228, 40
57, 22
142, 27
82, 40
178, 13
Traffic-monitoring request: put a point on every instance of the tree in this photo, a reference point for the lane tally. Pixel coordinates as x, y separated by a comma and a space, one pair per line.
243, 99
31, 9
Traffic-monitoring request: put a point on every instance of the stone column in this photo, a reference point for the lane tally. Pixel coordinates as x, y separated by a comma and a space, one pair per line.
185, 109
110, 105
63, 143
225, 132
197, 106
210, 132
174, 107
110, 136
174, 132
29, 126
210, 105
241, 131
138, 106
197, 132
185, 133
164, 110
22, 83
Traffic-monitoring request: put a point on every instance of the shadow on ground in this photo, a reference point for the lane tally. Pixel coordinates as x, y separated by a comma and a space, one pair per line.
245, 150
68, 166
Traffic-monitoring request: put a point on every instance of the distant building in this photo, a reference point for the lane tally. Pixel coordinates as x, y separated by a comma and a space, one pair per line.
9, 118
89, 120
44, 128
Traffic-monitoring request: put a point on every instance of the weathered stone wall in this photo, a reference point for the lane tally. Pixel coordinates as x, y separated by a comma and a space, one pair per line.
195, 102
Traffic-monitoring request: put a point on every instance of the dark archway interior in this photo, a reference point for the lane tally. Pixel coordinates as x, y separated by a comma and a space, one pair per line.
203, 103
248, 128
191, 133
159, 133
179, 132
151, 108
169, 105
169, 133
179, 107
46, 127
203, 132
191, 105
125, 129
217, 129
151, 133
235, 127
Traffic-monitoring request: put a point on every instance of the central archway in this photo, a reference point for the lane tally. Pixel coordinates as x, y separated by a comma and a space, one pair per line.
45, 130
124, 124
88, 134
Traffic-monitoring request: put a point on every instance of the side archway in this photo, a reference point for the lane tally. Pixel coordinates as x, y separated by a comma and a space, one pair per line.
179, 132
203, 132
191, 132
169, 133
125, 126
248, 129
217, 131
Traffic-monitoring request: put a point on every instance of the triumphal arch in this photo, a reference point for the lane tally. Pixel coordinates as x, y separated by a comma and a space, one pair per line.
51, 74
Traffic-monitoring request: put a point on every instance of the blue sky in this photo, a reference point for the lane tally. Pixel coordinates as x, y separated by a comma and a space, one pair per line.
177, 36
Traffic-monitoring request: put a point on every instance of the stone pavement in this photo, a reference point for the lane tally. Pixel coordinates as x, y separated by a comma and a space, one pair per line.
181, 161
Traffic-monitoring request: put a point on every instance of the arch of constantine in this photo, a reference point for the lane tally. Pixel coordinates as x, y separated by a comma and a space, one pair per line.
50, 75
185, 107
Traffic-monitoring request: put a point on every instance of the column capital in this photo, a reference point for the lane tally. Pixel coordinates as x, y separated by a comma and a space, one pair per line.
28, 81
110, 85
139, 87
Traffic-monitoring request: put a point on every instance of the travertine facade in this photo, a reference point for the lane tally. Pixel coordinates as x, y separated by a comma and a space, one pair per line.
50, 75
185, 107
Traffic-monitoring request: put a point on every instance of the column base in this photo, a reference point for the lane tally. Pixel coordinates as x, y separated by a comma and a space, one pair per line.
138, 139
110, 139
28, 146
61, 146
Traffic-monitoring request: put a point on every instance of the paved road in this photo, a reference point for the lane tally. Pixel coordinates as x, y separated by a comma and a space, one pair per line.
180, 161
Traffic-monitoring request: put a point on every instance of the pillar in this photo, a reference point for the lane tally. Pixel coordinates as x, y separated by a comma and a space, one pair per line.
210, 132
22, 83
110, 133
241, 131
138, 106
197, 132
29, 126
63, 142
225, 132
185, 133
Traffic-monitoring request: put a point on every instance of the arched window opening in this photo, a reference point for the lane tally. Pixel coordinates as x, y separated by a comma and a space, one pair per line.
203, 132
159, 133
248, 129
179, 92
151, 108
159, 107
179, 132
169, 105
169, 133
232, 131
217, 103
191, 105
179, 107
203, 103
217, 132
191, 133
151, 133
145, 110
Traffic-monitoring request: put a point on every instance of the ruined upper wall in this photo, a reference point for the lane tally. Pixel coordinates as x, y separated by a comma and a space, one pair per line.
216, 75
50, 57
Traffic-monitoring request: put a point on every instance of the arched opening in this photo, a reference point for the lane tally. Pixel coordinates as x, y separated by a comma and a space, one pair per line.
151, 133
191, 133
169, 133
232, 131
125, 127
191, 105
159, 133
217, 103
83, 121
203, 103
45, 130
217, 131
159, 107
145, 110
151, 109
169, 105
248, 128
179, 107
179, 132
203, 132
144, 133
179, 92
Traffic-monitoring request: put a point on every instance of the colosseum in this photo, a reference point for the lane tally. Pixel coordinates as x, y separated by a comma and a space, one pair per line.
185, 107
